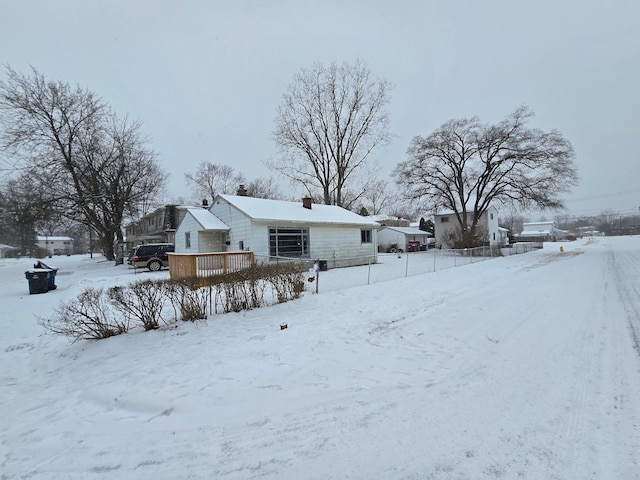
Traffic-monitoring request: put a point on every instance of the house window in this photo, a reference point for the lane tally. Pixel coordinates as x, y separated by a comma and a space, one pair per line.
444, 219
187, 239
494, 235
491, 216
365, 236
289, 242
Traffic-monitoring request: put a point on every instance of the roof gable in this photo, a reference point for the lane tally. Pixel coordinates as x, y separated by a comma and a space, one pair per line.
206, 219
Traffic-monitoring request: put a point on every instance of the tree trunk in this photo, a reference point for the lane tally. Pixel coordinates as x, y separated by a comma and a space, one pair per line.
106, 242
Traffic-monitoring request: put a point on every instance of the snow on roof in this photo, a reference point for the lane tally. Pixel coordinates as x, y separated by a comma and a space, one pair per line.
206, 219
382, 217
53, 238
408, 230
537, 225
534, 233
282, 211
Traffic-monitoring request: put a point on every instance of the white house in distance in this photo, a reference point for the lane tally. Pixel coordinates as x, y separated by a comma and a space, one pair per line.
274, 229
445, 223
538, 232
401, 236
55, 245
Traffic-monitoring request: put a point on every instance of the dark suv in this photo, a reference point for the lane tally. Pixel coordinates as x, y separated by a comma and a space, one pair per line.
152, 255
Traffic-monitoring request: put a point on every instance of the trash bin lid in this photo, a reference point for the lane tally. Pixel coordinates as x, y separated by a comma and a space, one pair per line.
39, 270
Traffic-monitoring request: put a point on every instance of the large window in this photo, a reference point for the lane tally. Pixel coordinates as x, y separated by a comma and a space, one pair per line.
288, 242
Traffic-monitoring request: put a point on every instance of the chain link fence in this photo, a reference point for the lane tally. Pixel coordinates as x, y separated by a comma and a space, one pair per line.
327, 277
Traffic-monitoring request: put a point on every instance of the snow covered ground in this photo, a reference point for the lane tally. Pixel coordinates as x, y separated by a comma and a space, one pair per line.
518, 367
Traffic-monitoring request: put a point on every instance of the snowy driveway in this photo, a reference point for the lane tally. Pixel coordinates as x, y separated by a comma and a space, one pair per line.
519, 367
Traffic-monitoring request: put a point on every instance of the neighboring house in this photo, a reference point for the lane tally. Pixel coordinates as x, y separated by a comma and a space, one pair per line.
538, 232
589, 231
157, 227
200, 231
274, 229
446, 223
5, 249
55, 245
401, 236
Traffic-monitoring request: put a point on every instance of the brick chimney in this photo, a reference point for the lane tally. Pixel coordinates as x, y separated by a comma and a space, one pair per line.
242, 192
306, 202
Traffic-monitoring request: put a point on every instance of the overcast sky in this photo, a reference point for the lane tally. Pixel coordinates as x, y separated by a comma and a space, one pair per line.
206, 77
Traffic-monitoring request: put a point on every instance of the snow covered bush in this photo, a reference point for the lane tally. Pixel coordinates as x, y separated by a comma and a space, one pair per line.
141, 301
287, 280
87, 317
189, 297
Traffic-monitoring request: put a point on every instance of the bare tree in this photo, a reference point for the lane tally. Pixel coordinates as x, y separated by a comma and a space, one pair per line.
210, 179
377, 197
264, 188
95, 167
465, 166
329, 122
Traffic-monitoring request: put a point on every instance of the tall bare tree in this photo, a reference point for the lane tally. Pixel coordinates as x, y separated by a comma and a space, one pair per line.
210, 179
330, 120
94, 166
466, 165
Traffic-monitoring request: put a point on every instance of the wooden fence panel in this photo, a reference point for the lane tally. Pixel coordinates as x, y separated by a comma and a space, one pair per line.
199, 265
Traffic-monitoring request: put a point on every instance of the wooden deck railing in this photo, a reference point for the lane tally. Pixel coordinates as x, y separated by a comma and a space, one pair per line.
198, 265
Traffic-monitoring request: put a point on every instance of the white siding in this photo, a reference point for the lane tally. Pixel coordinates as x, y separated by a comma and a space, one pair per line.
442, 229
188, 224
340, 245
209, 242
240, 224
491, 219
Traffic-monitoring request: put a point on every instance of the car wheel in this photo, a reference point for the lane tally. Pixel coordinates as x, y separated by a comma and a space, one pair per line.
154, 265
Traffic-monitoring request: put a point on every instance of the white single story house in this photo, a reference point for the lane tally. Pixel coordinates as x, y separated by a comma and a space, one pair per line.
538, 232
55, 245
446, 223
401, 236
274, 229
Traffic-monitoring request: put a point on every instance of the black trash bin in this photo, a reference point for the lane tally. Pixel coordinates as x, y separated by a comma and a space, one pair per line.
38, 280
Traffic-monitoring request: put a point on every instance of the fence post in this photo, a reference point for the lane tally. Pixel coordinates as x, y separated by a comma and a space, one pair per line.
406, 268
